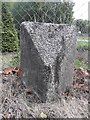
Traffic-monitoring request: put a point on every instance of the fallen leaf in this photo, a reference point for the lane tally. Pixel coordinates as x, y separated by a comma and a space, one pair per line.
8, 70
18, 71
81, 72
43, 115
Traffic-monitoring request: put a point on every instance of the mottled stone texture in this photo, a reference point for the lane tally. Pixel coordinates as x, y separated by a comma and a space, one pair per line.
47, 57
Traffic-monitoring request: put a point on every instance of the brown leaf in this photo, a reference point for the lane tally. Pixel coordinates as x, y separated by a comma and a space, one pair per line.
8, 70
18, 71
81, 72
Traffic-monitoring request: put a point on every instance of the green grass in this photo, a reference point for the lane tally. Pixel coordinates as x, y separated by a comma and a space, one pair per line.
83, 38
82, 43
79, 63
6, 60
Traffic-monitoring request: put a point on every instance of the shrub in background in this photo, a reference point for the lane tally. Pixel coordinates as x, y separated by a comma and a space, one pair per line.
9, 34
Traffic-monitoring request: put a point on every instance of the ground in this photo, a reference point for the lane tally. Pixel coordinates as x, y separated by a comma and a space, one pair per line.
18, 102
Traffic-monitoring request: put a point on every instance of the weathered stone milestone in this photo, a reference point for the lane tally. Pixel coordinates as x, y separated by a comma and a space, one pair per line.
47, 57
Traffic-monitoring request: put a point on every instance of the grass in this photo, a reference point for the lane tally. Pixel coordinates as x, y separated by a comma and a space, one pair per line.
6, 60
83, 38
82, 43
79, 63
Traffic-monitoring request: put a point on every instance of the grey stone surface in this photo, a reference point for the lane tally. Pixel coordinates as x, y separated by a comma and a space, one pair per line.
47, 57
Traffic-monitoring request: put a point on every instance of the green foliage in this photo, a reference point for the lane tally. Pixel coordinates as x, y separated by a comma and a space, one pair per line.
82, 25
51, 12
9, 34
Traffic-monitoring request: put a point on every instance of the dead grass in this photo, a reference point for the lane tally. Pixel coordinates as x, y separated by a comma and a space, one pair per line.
14, 103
